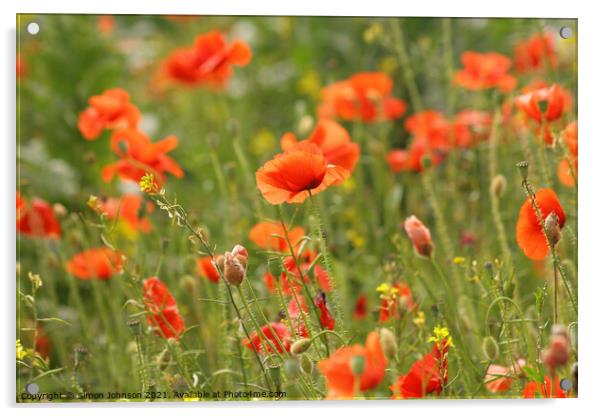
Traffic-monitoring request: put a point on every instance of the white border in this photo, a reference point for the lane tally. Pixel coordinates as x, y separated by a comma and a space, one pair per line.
590, 212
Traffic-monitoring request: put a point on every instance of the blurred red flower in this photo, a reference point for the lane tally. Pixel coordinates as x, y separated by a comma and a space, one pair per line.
96, 263
556, 99
206, 268
36, 218
291, 175
277, 335
290, 279
128, 208
334, 142
392, 298
208, 62
163, 314
569, 135
530, 235
271, 236
106, 24
533, 389
533, 53
110, 110
430, 125
360, 309
326, 319
365, 96
470, 127
340, 379
497, 379
485, 70
21, 67
140, 156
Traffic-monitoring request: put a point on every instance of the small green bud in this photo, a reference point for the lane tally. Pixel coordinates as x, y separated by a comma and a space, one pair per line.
498, 186
491, 350
300, 346
387, 340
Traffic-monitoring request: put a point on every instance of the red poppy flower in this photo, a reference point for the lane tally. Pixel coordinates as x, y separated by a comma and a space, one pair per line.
106, 24
36, 218
333, 140
128, 208
470, 127
291, 175
96, 263
295, 306
326, 318
290, 280
569, 135
208, 62
530, 235
271, 236
420, 236
497, 379
366, 96
361, 307
411, 159
206, 268
21, 67
163, 314
533, 389
431, 125
557, 101
110, 110
485, 70
140, 156
276, 333
341, 381
533, 53
390, 300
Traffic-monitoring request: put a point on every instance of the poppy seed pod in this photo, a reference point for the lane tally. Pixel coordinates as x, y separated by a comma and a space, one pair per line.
387, 340
552, 227
523, 169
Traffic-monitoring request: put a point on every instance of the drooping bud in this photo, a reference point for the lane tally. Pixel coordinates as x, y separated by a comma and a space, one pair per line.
234, 265
552, 227
419, 235
523, 169
498, 186
491, 350
300, 346
387, 340
358, 364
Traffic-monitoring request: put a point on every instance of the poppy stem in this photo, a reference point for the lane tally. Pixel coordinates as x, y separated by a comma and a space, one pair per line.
406, 66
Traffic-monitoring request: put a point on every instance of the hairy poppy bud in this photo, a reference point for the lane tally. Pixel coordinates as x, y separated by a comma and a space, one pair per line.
491, 350
300, 346
358, 364
498, 186
307, 365
234, 267
387, 340
552, 227
419, 235
523, 169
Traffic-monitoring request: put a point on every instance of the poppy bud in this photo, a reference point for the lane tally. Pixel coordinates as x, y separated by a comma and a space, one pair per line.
188, 283
419, 235
307, 365
498, 186
234, 266
552, 227
59, 210
358, 364
300, 346
523, 169
491, 350
558, 353
387, 340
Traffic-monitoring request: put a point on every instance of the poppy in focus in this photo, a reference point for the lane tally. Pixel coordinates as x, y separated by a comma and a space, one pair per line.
530, 235
485, 70
340, 378
110, 110
96, 263
365, 96
163, 314
334, 142
36, 218
291, 175
138, 156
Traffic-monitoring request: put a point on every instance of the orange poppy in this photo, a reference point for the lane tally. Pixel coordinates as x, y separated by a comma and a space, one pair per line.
366, 96
470, 127
485, 70
291, 175
429, 124
208, 62
340, 380
96, 263
532, 54
140, 156
420, 236
110, 110
534, 389
497, 379
569, 135
206, 268
530, 235
333, 140
163, 314
276, 333
557, 102
271, 236
36, 218
128, 208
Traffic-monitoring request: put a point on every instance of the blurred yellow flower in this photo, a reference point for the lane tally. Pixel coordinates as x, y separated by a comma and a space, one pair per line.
356, 239
420, 319
309, 84
263, 142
